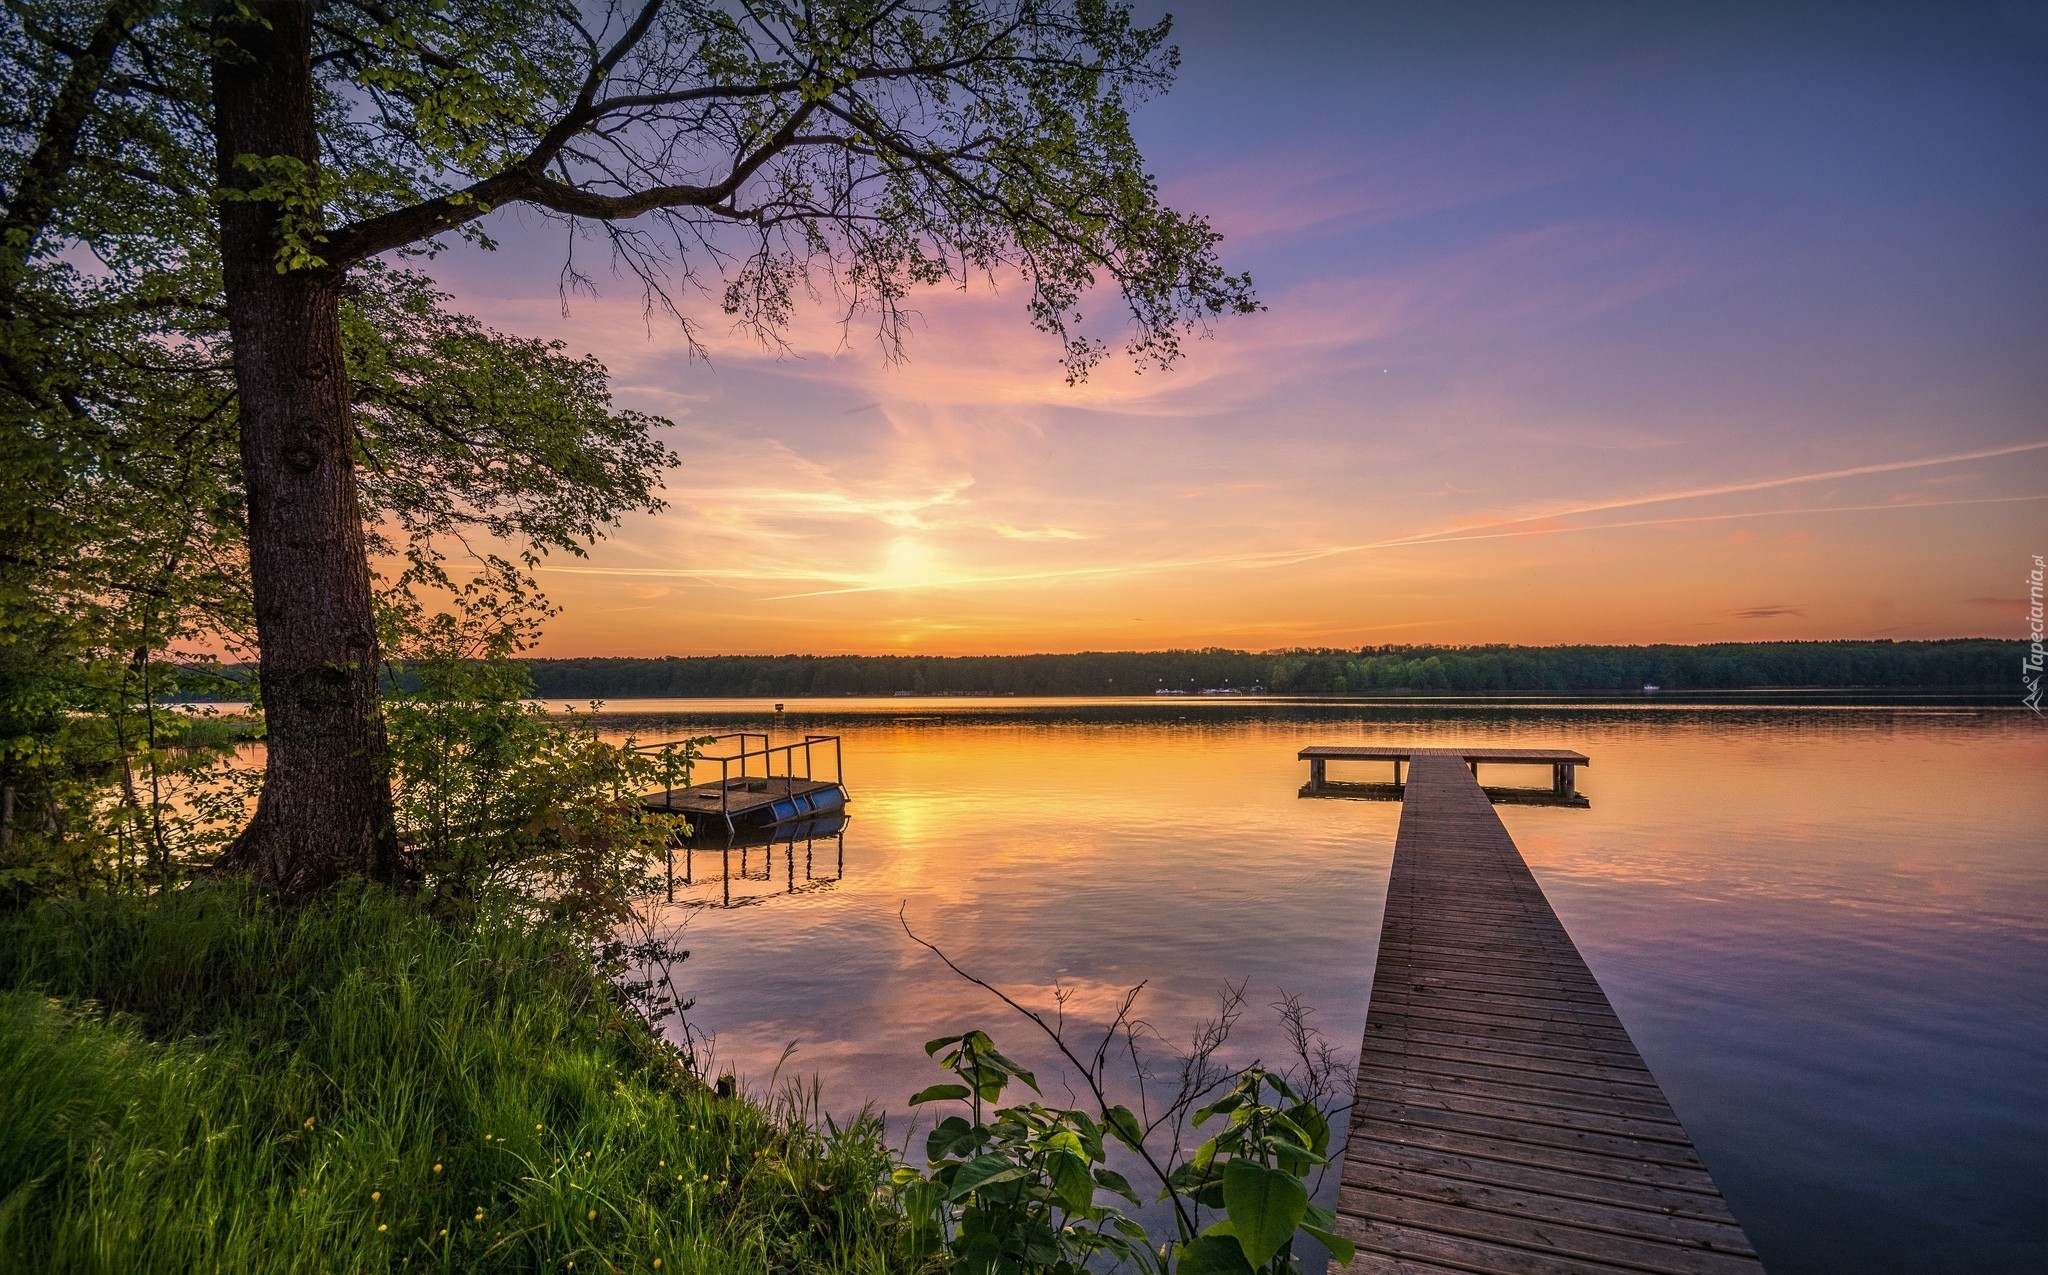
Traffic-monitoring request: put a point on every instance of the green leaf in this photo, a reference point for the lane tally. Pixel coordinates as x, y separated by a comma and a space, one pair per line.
1071, 1180
1340, 1248
952, 1136
940, 1093
1310, 1120
1088, 1131
920, 1200
1298, 1160
1003, 1061
1202, 1183
1068, 1141
1111, 1180
982, 1172
1227, 1103
1123, 1123
1265, 1206
1211, 1255
932, 1047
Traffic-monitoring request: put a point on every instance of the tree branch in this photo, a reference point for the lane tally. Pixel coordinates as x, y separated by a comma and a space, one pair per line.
35, 193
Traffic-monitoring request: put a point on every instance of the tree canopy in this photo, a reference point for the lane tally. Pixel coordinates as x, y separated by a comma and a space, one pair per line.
229, 378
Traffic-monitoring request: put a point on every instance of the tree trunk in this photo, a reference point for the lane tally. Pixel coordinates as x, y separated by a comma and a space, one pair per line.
325, 808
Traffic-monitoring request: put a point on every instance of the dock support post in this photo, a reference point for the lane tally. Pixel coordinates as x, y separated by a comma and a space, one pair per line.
1571, 782
1315, 774
1397, 772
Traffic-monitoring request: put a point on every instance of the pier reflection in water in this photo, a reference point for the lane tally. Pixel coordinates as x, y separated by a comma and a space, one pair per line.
721, 870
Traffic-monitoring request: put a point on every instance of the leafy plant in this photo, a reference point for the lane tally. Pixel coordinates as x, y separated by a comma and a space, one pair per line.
492, 792
1014, 1190
1254, 1170
1259, 1171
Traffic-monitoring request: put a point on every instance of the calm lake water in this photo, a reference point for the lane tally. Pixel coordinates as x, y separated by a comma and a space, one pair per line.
1826, 928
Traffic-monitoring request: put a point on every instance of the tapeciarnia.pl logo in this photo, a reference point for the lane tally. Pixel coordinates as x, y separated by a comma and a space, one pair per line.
2030, 668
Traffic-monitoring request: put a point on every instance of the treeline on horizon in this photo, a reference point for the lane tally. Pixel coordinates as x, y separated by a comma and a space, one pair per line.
1955, 664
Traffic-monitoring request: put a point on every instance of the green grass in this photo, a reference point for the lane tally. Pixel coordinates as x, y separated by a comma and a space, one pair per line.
203, 1082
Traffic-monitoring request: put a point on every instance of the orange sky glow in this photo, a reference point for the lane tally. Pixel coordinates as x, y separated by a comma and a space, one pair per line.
1570, 349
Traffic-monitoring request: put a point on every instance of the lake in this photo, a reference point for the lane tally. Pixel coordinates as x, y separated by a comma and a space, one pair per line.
1826, 927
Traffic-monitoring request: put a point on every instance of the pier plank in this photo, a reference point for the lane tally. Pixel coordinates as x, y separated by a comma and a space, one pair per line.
1504, 1122
1544, 1204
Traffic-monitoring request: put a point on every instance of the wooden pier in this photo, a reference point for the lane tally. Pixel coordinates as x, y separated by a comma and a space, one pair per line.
1563, 763
1504, 1121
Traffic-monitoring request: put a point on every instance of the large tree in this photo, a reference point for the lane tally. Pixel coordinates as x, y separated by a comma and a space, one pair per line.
754, 153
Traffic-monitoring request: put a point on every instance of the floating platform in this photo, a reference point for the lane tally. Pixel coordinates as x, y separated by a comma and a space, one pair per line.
749, 802
1504, 1121
756, 796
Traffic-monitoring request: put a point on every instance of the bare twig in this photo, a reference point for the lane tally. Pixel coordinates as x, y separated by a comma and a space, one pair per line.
1091, 1072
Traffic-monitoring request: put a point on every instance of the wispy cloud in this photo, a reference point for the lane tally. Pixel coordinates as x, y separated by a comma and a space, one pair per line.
1008, 532
860, 583
1766, 612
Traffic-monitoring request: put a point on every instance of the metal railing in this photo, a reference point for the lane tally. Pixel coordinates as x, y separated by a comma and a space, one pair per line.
766, 752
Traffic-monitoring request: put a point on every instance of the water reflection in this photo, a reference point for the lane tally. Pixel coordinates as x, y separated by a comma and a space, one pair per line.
710, 864
1825, 928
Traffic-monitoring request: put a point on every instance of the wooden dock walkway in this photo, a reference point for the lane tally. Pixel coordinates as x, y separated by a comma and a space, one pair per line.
1504, 1121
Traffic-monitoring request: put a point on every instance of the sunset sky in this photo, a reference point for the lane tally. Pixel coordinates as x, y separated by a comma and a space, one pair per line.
1604, 323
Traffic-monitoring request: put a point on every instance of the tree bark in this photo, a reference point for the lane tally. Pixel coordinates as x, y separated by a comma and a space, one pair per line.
325, 808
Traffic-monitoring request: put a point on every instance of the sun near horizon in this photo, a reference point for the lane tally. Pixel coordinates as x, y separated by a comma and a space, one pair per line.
1576, 330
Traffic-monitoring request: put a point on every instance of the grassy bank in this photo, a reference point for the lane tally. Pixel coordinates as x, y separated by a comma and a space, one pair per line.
201, 1082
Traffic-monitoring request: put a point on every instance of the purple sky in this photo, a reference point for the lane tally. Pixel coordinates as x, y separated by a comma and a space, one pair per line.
1623, 322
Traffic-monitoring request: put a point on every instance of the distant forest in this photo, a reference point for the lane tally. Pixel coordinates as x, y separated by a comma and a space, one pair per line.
1957, 664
